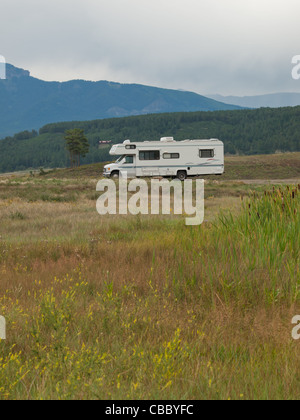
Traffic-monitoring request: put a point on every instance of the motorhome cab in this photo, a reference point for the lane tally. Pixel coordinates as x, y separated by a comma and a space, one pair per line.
167, 158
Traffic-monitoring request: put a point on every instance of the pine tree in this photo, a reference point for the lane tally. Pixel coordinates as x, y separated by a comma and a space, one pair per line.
77, 145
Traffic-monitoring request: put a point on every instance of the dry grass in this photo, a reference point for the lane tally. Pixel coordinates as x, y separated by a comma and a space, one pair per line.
265, 167
147, 308
279, 166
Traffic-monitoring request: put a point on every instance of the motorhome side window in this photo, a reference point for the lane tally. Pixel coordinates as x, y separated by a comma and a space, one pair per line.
130, 146
207, 153
171, 155
150, 155
129, 159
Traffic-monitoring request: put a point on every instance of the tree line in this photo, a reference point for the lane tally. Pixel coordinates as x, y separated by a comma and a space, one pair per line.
249, 132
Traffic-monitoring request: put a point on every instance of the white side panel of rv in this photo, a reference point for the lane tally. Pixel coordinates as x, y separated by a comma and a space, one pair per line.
194, 157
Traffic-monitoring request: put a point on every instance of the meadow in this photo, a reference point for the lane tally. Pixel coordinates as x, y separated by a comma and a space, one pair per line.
141, 307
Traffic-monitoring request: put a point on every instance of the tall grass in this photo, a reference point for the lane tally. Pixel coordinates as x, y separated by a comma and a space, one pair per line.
149, 308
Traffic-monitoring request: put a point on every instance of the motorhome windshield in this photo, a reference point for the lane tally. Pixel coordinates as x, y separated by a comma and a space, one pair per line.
120, 158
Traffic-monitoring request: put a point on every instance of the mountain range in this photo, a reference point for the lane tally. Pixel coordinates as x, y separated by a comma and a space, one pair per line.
28, 103
273, 100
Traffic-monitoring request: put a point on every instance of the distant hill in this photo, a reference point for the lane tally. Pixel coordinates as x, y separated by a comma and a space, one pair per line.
28, 103
245, 132
274, 100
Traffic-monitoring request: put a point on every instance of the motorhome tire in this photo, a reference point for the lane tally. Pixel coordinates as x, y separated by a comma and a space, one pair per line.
115, 175
182, 175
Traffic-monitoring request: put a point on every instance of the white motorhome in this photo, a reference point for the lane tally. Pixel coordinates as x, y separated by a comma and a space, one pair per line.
167, 158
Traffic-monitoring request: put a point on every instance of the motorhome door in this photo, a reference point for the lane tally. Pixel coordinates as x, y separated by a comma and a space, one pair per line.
128, 166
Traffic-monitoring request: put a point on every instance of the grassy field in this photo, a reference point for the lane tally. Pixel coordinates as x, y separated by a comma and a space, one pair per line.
140, 307
265, 167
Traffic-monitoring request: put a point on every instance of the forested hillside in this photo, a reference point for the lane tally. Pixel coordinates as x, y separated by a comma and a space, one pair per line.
260, 131
27, 102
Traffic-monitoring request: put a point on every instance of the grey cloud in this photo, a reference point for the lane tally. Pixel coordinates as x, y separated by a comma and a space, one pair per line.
208, 46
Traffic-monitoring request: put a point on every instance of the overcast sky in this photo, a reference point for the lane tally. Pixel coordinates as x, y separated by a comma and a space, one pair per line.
240, 47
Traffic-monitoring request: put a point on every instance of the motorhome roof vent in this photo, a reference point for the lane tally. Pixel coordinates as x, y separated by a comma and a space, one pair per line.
126, 142
167, 139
